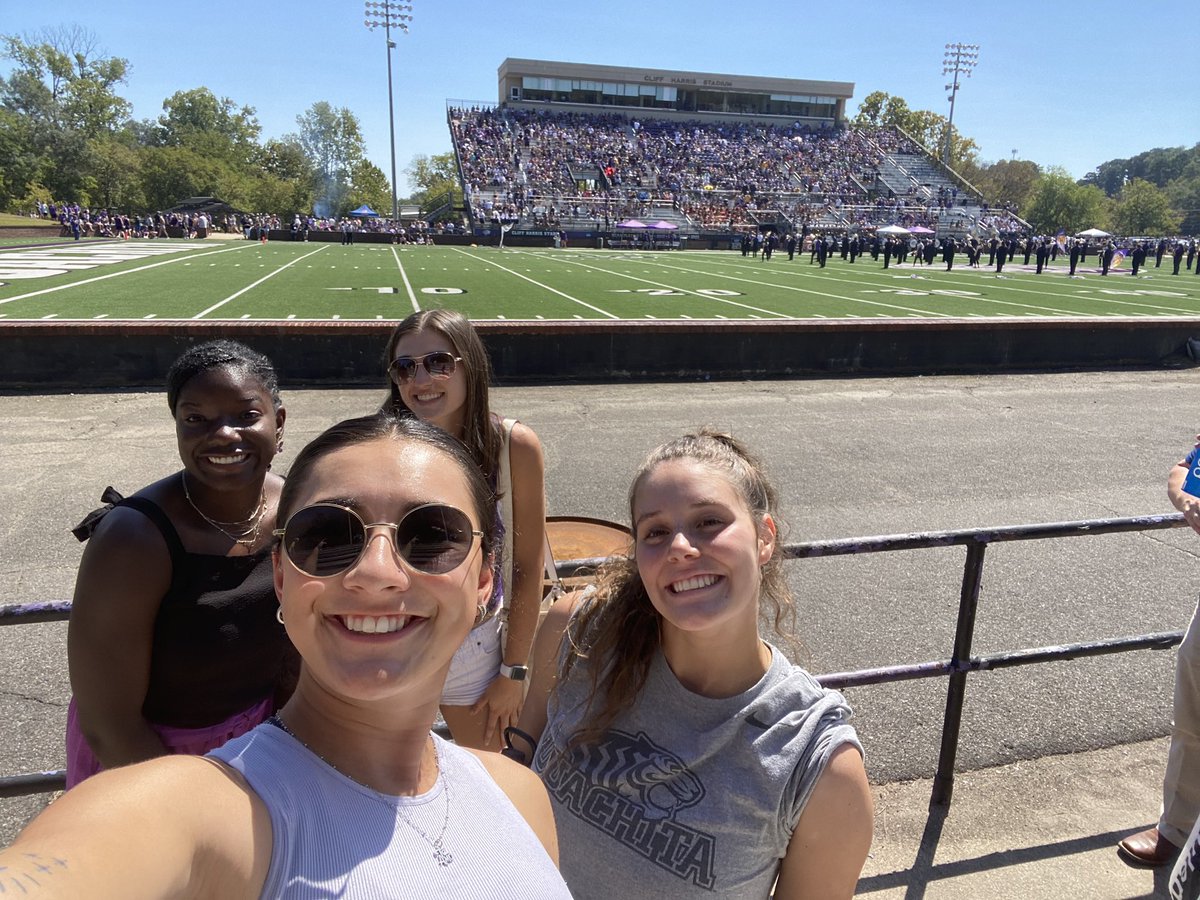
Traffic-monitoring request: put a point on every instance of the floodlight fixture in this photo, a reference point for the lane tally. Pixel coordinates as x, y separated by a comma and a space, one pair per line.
960, 59
390, 14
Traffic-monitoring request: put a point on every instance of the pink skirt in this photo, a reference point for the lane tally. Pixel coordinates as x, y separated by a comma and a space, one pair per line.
82, 763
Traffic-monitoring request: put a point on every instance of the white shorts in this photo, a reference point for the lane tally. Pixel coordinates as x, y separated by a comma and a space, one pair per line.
474, 666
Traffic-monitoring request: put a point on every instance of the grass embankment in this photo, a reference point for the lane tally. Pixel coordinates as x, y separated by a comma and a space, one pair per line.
10, 220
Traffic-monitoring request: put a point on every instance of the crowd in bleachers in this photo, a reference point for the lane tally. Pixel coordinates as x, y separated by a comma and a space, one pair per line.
559, 169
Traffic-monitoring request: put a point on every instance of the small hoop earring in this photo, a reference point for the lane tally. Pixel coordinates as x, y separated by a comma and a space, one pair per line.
480, 612
279, 614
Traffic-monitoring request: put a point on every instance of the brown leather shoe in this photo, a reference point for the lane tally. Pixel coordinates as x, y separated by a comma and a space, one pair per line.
1147, 848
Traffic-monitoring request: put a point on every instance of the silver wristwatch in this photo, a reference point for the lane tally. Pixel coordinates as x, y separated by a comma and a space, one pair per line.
516, 673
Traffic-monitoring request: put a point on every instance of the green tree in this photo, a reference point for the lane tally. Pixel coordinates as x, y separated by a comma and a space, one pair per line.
59, 96
1006, 181
116, 173
285, 159
171, 174
369, 185
21, 166
1142, 208
333, 142
199, 120
61, 82
1058, 203
434, 176
1185, 198
880, 109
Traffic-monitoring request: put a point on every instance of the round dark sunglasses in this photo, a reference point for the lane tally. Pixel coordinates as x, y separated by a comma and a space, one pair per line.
326, 539
439, 364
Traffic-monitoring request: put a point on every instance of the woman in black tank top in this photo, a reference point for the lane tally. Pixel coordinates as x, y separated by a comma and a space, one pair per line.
173, 642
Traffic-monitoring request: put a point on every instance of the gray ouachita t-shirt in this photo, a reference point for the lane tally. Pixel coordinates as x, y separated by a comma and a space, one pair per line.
687, 796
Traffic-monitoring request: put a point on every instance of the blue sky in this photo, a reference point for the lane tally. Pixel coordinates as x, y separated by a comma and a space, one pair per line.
1065, 84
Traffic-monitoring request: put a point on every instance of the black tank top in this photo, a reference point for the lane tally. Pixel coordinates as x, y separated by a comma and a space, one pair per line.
218, 648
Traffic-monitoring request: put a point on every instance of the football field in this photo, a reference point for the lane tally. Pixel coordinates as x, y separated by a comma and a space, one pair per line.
222, 280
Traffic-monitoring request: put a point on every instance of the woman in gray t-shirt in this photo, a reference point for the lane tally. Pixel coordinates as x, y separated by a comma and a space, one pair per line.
684, 756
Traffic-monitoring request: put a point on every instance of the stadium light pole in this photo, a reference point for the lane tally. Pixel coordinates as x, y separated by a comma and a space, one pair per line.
390, 14
960, 59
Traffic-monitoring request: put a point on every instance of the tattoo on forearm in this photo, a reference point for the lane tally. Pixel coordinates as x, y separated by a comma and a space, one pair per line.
25, 875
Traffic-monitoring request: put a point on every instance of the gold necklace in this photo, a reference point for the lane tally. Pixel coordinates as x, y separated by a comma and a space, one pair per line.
246, 536
441, 855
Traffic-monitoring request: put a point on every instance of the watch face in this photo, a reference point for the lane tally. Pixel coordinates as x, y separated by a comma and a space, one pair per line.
516, 673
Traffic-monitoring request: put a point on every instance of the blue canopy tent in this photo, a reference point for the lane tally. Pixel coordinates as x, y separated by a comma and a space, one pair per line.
364, 211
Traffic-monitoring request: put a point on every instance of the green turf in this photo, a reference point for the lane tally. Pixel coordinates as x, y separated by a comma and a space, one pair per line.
247, 280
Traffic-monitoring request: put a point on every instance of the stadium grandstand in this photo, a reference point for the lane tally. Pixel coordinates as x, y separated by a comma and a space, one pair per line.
582, 150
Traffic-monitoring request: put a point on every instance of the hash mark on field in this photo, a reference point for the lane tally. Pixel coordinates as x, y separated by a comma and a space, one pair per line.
292, 316
246, 315
721, 317
648, 316
101, 316
151, 316
578, 316
51, 316
539, 317
501, 317
682, 316
336, 316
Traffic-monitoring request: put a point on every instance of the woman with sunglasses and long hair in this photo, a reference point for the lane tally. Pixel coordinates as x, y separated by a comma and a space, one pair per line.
439, 372
173, 646
684, 755
383, 560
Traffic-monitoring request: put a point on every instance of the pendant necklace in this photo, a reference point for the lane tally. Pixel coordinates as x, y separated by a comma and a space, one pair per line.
441, 855
244, 532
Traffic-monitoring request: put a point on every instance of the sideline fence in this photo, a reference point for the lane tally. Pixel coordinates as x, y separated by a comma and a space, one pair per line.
957, 667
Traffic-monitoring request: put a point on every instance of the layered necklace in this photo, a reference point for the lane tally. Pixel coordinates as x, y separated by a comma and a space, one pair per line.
441, 855
244, 532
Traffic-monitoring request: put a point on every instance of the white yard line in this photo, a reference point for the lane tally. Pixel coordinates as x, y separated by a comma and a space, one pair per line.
155, 265
935, 283
408, 287
672, 287
249, 287
545, 287
786, 287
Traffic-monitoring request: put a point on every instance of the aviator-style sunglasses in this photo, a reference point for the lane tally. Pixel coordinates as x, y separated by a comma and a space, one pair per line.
326, 539
439, 364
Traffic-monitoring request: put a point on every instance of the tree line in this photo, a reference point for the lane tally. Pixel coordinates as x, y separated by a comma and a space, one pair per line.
66, 134
1154, 193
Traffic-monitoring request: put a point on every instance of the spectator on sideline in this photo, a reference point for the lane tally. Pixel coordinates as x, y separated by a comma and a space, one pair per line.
1159, 845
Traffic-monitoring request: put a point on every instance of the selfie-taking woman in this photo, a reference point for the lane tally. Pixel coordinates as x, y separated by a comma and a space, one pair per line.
173, 643
380, 568
439, 372
684, 755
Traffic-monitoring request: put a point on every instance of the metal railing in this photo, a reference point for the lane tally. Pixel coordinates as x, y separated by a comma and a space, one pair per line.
957, 667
